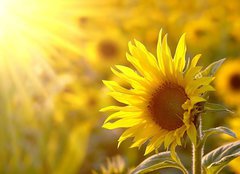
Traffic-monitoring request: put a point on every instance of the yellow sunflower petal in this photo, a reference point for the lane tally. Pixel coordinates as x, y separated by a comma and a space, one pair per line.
195, 61
127, 134
166, 58
179, 58
204, 89
154, 144
196, 99
127, 98
120, 108
191, 73
147, 56
169, 139
146, 60
122, 114
192, 134
143, 136
135, 62
123, 123
195, 84
133, 79
173, 152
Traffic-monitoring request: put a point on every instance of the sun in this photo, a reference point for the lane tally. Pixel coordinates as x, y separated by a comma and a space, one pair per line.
34, 36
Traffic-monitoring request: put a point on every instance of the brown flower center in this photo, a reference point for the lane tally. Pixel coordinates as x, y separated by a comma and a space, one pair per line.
108, 49
165, 106
83, 20
235, 82
200, 32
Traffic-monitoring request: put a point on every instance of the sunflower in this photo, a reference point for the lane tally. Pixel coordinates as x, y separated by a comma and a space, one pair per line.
200, 29
108, 47
165, 94
228, 82
72, 106
235, 36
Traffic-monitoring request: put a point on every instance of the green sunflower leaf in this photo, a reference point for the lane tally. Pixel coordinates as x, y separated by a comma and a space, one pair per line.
158, 161
217, 159
213, 107
220, 129
212, 68
217, 130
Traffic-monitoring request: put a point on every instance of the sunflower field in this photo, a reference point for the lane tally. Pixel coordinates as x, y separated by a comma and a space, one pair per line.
119, 87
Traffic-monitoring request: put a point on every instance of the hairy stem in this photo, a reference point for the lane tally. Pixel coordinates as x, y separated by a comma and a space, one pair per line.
198, 149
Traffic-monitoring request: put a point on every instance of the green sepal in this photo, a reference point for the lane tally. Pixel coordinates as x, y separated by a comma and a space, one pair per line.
217, 159
212, 68
157, 162
213, 107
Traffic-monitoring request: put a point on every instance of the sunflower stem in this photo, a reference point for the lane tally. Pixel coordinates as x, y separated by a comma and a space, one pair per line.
198, 148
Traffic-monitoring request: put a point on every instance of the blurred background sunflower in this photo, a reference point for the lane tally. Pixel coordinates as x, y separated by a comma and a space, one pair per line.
54, 55
228, 82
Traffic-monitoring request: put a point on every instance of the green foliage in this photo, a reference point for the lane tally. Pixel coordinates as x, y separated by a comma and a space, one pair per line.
212, 68
158, 161
213, 107
217, 159
217, 130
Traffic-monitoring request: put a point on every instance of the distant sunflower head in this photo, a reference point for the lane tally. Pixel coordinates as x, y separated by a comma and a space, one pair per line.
199, 30
228, 82
164, 99
108, 47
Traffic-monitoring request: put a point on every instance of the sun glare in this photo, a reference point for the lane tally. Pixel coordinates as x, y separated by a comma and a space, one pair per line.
31, 34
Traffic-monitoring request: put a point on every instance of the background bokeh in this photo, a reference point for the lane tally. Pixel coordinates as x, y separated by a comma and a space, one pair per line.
54, 55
